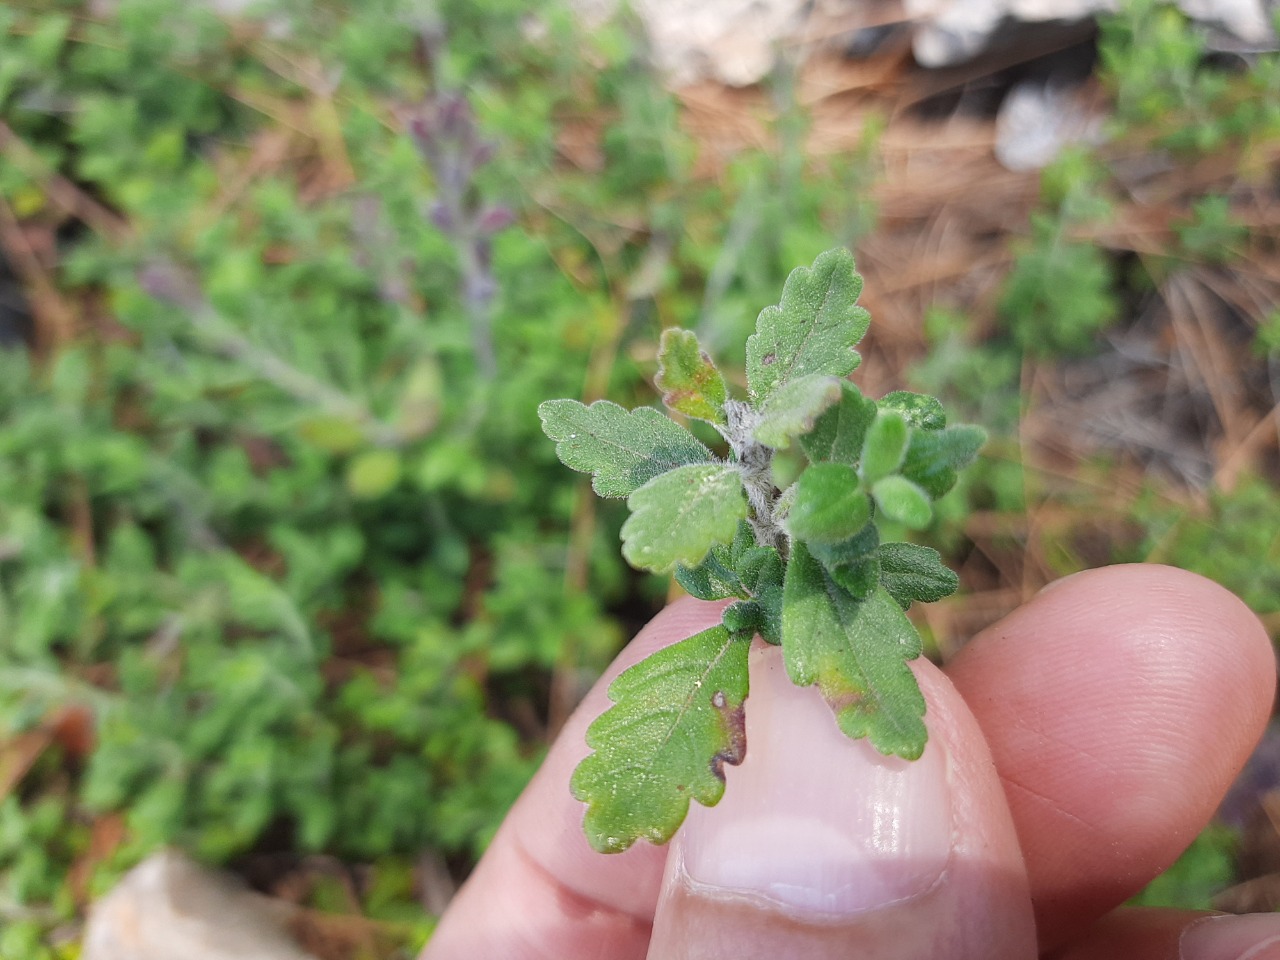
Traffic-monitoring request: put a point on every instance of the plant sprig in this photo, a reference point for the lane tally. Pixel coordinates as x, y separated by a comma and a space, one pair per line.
804, 564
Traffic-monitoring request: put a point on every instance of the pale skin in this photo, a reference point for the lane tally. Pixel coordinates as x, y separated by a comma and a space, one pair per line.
1076, 747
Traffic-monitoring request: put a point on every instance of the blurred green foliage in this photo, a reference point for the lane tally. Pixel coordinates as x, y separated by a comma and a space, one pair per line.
1235, 541
1204, 870
311, 568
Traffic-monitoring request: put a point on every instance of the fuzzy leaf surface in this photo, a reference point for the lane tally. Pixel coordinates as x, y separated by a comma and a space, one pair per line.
792, 409
762, 616
712, 579
900, 499
911, 572
935, 457
856, 651
829, 505
677, 720
918, 409
813, 328
839, 433
677, 517
854, 564
689, 381
760, 571
885, 445
622, 449
743, 569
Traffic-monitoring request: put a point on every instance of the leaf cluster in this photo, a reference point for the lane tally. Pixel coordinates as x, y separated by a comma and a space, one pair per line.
804, 565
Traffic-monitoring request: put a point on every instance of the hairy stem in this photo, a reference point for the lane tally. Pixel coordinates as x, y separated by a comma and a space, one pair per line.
755, 464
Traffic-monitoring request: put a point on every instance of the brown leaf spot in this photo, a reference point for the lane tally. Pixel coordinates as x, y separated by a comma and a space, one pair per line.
735, 722
768, 359
853, 699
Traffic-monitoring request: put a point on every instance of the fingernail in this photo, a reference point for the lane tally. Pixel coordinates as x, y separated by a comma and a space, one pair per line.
812, 822
1254, 936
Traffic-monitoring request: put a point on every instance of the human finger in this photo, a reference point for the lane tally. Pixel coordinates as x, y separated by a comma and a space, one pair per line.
1119, 705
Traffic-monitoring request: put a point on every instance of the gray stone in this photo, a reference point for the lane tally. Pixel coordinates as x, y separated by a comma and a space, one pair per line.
1037, 120
736, 41
952, 31
731, 41
169, 908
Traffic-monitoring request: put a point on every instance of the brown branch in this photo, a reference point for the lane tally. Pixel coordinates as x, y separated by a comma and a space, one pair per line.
55, 320
64, 194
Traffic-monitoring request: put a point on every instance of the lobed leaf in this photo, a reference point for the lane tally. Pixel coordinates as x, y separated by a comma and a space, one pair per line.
622, 449
689, 381
761, 616
911, 572
813, 328
856, 651
758, 567
792, 409
678, 516
677, 720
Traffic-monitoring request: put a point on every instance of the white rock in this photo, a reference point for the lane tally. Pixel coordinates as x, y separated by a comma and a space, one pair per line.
1036, 120
952, 31
169, 908
732, 41
1245, 18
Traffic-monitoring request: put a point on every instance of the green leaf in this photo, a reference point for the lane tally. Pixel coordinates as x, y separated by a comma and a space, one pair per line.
374, 474
689, 381
677, 720
812, 330
934, 457
792, 409
762, 615
622, 449
332, 434
918, 409
885, 446
902, 500
912, 572
839, 433
760, 571
680, 515
856, 651
742, 569
757, 567
712, 579
830, 504
854, 563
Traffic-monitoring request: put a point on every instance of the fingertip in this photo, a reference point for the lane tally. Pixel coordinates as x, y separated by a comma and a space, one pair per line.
1119, 705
